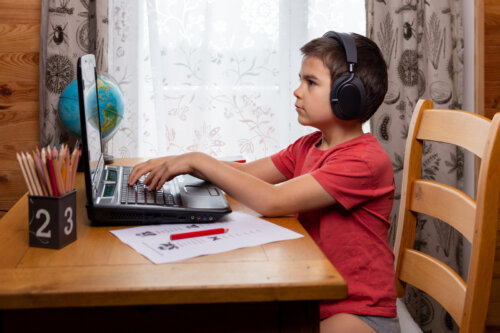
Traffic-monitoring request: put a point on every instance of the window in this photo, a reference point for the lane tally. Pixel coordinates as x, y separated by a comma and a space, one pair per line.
215, 76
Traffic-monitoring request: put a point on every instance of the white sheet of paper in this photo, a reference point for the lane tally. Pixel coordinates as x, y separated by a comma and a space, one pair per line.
153, 241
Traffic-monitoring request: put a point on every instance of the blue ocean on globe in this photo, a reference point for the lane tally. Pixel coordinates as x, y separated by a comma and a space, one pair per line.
111, 104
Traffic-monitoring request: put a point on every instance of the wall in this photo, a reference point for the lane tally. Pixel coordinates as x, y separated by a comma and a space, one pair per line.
19, 45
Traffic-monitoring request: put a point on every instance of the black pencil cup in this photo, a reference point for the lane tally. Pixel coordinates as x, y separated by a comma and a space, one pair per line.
52, 220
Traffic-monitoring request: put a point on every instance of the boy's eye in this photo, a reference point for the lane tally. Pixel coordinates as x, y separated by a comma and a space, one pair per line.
311, 83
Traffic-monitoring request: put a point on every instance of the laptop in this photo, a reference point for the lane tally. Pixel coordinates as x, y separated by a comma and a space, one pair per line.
111, 201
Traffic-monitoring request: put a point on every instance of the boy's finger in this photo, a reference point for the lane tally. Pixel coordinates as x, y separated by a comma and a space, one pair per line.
157, 181
150, 178
133, 172
136, 173
133, 176
147, 180
151, 182
162, 181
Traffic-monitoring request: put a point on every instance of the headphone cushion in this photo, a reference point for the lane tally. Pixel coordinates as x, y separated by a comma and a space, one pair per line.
347, 98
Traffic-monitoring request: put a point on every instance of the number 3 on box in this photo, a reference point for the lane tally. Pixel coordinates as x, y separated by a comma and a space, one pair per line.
68, 214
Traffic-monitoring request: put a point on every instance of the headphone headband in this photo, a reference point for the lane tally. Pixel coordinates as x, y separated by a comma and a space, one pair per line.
348, 44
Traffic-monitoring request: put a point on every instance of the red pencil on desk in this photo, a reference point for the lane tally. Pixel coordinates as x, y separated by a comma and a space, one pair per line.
199, 233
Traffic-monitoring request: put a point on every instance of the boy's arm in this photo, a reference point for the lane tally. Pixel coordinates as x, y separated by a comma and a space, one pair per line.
263, 169
296, 195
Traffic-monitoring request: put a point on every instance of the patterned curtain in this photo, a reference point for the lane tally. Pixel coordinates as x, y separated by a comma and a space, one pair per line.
422, 42
69, 29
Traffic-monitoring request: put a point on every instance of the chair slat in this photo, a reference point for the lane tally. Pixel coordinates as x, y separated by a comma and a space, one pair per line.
455, 207
457, 127
435, 278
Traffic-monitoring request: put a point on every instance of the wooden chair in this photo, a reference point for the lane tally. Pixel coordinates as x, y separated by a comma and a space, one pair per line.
476, 220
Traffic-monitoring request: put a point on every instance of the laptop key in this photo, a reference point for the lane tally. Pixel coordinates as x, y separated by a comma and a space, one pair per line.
169, 199
123, 196
131, 197
159, 198
141, 198
150, 198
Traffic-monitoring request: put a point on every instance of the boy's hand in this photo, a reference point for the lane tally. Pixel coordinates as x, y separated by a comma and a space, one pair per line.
162, 169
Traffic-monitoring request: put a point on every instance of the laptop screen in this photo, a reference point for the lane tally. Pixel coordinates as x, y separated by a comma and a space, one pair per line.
91, 106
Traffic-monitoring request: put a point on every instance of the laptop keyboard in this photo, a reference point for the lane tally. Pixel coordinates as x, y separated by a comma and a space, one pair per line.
139, 194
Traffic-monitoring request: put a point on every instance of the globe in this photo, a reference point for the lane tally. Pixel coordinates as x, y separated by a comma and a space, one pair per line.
111, 105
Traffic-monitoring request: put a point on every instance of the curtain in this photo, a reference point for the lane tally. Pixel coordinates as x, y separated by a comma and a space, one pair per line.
214, 76
422, 42
69, 29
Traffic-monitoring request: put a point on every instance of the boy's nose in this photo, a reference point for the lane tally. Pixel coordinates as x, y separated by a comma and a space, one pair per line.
297, 93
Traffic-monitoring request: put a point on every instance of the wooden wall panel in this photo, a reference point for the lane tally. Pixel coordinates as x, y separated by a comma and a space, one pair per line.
19, 124
488, 88
19, 37
20, 11
491, 57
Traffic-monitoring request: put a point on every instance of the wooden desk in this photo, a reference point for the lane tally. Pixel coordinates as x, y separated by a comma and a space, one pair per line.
266, 288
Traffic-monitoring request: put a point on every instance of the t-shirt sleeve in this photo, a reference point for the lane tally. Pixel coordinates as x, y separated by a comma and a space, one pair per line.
352, 180
286, 159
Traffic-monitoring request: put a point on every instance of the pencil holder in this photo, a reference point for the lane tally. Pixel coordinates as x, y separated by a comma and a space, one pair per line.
52, 220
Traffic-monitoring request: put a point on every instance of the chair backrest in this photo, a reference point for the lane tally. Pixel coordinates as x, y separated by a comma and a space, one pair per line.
476, 219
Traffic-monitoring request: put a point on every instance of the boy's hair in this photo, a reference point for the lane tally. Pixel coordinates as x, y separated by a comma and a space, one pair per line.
371, 68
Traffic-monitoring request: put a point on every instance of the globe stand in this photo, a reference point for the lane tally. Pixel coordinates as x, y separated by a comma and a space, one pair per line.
108, 158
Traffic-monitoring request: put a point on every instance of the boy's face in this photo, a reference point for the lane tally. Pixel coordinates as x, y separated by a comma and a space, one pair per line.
313, 94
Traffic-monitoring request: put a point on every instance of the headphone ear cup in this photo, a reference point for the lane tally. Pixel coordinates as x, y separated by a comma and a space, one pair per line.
347, 97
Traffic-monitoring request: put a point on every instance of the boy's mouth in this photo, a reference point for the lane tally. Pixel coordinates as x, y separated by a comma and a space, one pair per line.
298, 108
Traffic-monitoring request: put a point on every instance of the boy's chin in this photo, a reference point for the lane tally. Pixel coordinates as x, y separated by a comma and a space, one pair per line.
302, 120
306, 122
303, 123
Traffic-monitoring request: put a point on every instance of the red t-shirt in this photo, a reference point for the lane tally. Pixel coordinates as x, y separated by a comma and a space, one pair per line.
352, 233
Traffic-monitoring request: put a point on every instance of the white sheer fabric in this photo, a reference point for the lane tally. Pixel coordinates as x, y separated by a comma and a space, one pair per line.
215, 76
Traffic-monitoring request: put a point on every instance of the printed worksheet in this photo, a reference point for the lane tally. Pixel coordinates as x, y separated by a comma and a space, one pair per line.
240, 230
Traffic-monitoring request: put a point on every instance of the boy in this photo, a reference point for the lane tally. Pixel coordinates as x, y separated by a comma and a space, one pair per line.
338, 180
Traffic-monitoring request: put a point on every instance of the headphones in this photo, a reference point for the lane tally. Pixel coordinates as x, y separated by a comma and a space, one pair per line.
347, 96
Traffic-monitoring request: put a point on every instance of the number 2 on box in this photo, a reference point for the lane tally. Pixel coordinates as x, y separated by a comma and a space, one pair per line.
41, 231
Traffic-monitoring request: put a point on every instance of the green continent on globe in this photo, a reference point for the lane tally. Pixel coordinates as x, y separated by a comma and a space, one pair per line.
111, 104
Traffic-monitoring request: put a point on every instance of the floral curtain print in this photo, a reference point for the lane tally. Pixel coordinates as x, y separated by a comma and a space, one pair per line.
214, 76
69, 29
422, 43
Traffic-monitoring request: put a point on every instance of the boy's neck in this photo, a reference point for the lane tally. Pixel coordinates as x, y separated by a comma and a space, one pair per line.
340, 134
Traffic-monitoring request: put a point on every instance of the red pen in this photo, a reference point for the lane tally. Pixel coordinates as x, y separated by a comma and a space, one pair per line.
199, 233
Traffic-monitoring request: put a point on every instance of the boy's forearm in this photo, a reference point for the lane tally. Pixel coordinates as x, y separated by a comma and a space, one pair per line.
244, 187
263, 169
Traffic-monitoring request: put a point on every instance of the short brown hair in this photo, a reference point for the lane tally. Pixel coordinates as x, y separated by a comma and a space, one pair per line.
371, 68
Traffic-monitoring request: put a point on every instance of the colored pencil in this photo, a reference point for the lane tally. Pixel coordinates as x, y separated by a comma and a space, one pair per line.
25, 175
57, 173
34, 160
38, 183
31, 174
52, 174
46, 171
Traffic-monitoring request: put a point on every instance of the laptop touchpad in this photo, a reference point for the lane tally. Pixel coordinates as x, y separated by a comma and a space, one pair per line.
205, 197
199, 190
